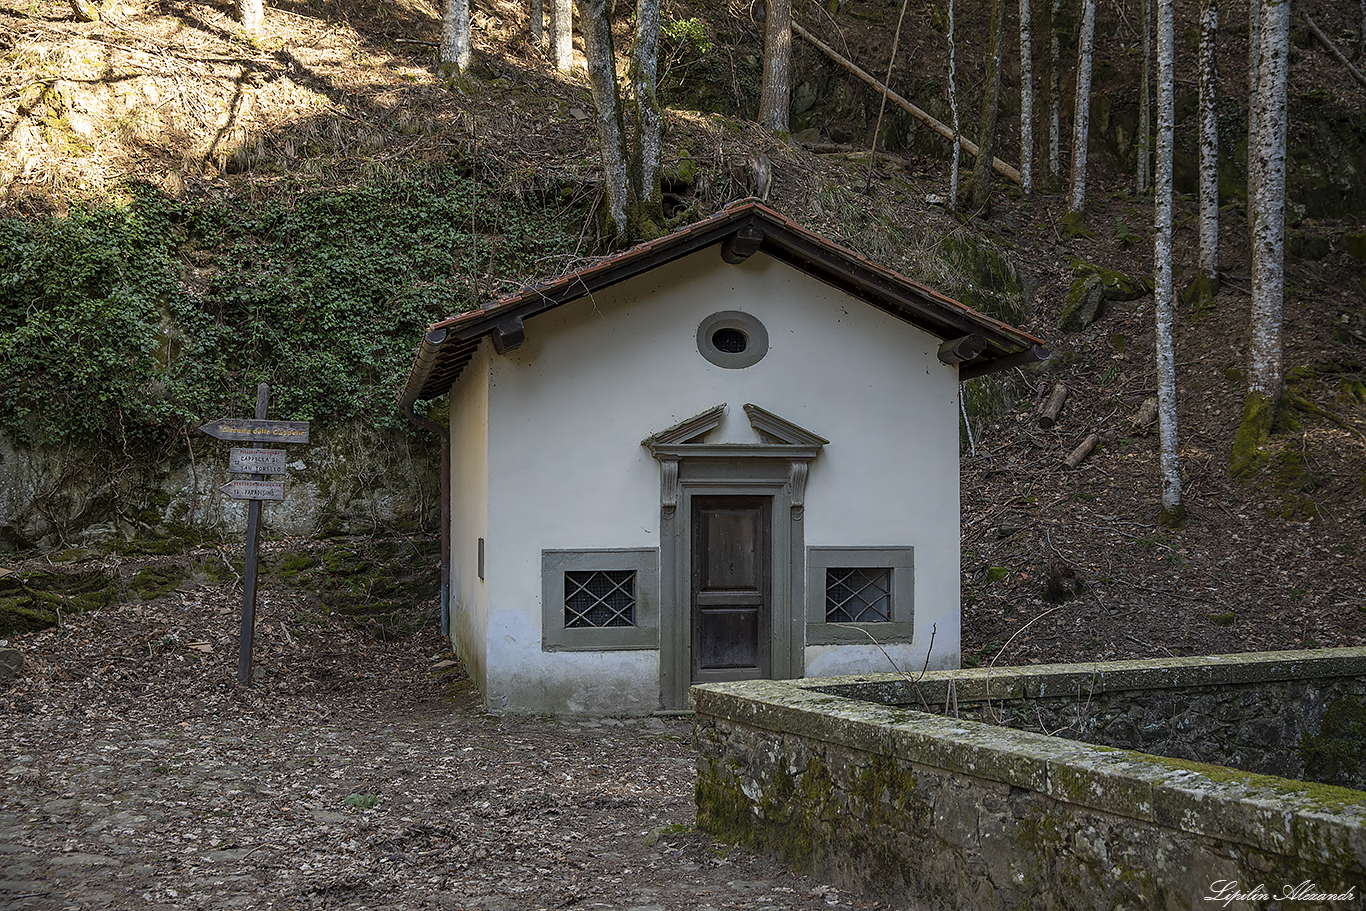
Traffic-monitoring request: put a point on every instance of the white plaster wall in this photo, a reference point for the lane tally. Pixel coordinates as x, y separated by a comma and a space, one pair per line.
570, 407
469, 513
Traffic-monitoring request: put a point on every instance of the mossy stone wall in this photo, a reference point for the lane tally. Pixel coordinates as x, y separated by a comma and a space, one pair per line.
926, 811
1262, 712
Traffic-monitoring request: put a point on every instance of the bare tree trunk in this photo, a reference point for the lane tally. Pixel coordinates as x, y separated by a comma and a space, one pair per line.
537, 13
562, 34
1081, 114
602, 74
1254, 54
1268, 233
1145, 94
455, 34
1054, 94
775, 97
648, 115
1209, 143
1172, 512
250, 13
1026, 101
953, 112
980, 199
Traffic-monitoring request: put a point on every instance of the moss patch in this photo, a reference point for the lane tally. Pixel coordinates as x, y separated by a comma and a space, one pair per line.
31, 601
1336, 755
1074, 225
1249, 456
155, 581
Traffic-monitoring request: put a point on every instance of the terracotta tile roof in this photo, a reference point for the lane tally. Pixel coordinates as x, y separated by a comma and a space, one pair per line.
740, 230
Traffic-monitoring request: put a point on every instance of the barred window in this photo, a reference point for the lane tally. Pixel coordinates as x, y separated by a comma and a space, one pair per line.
858, 594
599, 598
855, 592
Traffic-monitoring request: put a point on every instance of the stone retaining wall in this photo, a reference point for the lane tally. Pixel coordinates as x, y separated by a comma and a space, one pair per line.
927, 811
1259, 712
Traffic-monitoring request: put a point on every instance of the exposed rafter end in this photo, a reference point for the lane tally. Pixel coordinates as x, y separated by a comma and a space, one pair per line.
1030, 355
741, 245
508, 334
958, 350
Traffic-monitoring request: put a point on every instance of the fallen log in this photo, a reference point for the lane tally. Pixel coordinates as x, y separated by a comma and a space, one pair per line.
1332, 49
968, 145
1144, 417
1078, 455
1053, 407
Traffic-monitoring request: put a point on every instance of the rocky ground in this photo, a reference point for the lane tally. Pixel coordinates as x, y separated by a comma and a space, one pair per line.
356, 773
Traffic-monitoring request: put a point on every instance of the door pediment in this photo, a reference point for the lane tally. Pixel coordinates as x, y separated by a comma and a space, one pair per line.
778, 438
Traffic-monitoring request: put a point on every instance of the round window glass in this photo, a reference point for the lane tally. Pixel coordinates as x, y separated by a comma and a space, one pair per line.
732, 339
729, 341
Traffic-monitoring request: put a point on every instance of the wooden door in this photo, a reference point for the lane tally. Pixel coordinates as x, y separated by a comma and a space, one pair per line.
731, 613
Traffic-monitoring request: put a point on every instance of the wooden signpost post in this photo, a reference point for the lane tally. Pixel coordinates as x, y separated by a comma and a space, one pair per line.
259, 462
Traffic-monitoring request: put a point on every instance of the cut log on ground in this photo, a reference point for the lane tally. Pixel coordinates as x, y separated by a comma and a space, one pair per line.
968, 145
1142, 419
1078, 455
1053, 407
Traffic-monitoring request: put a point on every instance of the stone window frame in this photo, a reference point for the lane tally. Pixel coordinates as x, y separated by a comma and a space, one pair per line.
556, 637
755, 333
901, 562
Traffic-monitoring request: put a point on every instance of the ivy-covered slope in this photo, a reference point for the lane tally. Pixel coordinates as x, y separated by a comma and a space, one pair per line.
126, 321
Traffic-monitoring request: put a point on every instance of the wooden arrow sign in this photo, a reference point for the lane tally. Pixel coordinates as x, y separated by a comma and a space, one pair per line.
254, 490
257, 431
256, 461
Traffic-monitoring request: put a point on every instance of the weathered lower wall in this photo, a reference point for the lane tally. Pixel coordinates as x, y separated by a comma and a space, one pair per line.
933, 812
1260, 712
349, 480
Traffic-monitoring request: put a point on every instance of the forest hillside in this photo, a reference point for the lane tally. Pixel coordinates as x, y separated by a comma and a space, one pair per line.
188, 209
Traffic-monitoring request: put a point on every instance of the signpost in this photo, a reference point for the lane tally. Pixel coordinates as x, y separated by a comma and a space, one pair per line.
259, 462
254, 490
256, 461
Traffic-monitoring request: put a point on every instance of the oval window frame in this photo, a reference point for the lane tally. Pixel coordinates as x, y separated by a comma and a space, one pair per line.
755, 334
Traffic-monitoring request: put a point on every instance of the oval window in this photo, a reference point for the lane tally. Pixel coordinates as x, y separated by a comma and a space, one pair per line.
732, 339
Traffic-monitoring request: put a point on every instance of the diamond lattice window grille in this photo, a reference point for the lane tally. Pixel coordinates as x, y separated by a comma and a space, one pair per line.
858, 595
599, 598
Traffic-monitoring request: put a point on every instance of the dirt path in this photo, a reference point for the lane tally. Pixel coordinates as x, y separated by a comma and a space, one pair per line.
136, 774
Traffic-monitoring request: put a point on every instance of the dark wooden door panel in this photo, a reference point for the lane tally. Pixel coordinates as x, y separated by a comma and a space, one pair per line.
731, 614
729, 638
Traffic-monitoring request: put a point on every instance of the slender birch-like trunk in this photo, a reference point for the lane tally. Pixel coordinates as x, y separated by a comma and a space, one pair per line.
562, 34
1268, 232
536, 11
1054, 94
1081, 114
1145, 94
250, 13
980, 194
648, 114
953, 111
1254, 57
455, 34
602, 75
1209, 143
775, 95
1026, 101
1172, 512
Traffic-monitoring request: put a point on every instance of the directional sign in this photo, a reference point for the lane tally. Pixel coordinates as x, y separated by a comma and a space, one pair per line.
257, 461
247, 430
254, 490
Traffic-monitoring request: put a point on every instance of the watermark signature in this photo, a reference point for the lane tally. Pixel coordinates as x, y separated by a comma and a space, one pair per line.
1227, 891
